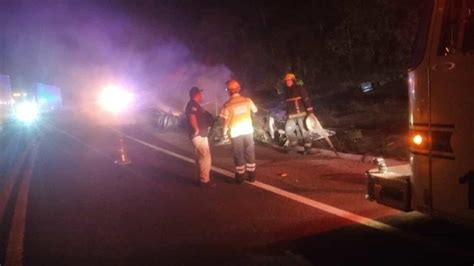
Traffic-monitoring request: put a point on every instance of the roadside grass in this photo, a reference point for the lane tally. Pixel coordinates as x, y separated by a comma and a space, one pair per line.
372, 124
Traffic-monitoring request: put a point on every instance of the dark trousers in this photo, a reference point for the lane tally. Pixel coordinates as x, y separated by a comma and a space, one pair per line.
243, 149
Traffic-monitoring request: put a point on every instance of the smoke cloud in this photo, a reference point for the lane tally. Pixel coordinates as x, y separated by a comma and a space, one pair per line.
83, 47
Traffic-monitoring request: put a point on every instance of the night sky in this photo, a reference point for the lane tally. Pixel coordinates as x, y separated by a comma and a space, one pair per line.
164, 45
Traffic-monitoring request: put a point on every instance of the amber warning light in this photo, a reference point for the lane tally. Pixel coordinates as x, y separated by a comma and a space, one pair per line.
418, 139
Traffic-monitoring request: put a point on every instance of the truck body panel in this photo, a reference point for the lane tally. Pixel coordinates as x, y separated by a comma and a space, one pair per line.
441, 122
48, 97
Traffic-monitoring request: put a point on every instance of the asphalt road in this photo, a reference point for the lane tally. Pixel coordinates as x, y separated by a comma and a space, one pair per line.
71, 205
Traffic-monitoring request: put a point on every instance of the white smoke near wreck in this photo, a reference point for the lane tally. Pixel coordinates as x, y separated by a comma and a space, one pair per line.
84, 49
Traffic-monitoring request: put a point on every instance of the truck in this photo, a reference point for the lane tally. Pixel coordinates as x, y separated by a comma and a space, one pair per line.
5, 99
48, 97
439, 179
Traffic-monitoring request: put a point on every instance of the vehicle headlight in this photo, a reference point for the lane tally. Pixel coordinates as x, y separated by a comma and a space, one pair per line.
26, 112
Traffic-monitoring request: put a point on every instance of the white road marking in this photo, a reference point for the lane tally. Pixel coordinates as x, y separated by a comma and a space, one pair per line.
358, 219
295, 197
14, 254
174, 154
10, 181
328, 208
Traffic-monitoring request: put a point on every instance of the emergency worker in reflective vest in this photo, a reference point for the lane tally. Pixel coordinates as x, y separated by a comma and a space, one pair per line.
237, 114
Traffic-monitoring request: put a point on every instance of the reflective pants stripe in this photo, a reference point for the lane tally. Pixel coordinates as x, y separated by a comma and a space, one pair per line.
250, 167
243, 150
240, 169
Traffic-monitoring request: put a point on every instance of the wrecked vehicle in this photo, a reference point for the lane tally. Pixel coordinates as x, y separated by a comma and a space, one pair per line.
160, 120
270, 127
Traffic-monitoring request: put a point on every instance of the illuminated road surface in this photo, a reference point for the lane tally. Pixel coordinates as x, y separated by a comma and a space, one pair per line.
71, 205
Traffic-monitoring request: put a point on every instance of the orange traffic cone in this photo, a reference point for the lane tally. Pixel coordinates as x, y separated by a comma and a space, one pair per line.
122, 154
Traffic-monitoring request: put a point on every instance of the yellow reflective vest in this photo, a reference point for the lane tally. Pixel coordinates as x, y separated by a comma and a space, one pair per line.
238, 110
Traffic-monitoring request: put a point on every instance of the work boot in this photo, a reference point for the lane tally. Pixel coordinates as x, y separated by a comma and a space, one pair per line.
239, 178
294, 149
251, 175
299, 148
290, 151
311, 151
208, 184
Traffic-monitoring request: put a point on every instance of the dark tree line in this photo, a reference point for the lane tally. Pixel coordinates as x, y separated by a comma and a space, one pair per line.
322, 41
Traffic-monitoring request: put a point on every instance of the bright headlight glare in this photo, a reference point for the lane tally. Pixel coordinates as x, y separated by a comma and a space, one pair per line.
114, 99
26, 112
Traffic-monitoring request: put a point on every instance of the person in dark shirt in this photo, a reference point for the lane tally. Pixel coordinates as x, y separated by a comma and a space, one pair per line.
299, 106
199, 121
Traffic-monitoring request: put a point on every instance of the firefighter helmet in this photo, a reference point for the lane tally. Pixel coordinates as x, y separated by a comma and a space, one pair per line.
233, 86
289, 76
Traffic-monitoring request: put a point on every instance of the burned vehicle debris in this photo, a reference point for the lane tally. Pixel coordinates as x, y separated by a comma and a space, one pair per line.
271, 127
269, 124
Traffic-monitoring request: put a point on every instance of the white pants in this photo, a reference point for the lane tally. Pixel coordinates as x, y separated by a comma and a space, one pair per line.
202, 157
